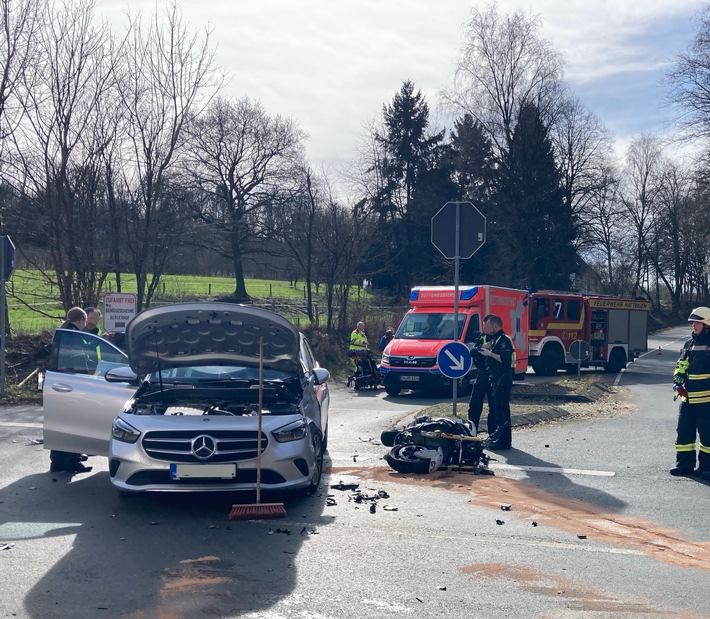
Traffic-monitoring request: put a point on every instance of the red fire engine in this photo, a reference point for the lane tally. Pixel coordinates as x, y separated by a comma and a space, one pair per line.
615, 330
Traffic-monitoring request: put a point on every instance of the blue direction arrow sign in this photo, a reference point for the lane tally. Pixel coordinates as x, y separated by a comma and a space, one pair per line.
454, 360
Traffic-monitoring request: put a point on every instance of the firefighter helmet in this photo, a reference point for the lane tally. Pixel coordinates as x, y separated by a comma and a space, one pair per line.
700, 314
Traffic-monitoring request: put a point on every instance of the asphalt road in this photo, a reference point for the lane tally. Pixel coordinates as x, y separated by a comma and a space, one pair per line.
596, 528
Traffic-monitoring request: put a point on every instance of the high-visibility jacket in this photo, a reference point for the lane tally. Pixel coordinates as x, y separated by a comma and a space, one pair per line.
358, 341
692, 371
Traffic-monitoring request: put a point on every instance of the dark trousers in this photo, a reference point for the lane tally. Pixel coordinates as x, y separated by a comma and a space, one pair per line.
499, 413
481, 390
692, 419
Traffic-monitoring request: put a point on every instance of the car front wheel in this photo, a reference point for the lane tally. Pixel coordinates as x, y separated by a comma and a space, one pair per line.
317, 471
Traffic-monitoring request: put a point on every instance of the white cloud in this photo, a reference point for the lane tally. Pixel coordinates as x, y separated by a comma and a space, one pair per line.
332, 65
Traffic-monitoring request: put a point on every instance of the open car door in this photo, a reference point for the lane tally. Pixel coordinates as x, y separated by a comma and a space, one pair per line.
79, 404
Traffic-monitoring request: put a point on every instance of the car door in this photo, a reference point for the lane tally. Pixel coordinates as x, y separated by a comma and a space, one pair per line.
79, 404
319, 394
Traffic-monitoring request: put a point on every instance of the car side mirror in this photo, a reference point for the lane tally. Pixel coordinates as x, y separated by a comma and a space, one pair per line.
321, 376
122, 374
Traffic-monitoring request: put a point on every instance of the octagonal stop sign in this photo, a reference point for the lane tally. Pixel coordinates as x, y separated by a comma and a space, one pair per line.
470, 231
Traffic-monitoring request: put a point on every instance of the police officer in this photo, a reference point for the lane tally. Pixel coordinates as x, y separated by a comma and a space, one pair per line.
482, 385
500, 351
691, 381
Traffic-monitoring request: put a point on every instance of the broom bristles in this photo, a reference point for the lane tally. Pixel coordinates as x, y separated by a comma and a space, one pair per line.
257, 511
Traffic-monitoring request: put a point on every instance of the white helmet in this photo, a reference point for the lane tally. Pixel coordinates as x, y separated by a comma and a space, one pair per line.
700, 314
435, 457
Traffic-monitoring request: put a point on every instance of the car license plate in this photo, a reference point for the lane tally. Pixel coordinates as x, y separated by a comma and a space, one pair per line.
412, 379
203, 471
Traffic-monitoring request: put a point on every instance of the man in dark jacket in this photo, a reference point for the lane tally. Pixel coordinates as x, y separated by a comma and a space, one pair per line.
482, 385
691, 381
500, 352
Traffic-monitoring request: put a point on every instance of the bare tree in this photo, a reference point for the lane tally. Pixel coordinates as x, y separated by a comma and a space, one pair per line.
167, 75
242, 159
689, 83
503, 65
57, 148
605, 230
582, 146
20, 21
640, 189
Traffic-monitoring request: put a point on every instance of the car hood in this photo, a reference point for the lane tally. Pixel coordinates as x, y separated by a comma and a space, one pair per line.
193, 334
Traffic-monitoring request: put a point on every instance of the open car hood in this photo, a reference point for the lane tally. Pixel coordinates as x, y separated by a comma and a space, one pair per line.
193, 334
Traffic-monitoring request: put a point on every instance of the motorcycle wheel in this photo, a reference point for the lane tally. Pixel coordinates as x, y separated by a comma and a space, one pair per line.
388, 437
407, 459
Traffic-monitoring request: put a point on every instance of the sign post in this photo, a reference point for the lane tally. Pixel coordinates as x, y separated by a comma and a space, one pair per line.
458, 230
7, 266
579, 350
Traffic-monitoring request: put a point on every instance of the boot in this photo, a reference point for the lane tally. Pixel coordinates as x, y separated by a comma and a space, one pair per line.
681, 471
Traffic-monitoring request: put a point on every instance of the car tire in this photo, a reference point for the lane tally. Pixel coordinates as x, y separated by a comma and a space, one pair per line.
393, 391
56, 461
317, 472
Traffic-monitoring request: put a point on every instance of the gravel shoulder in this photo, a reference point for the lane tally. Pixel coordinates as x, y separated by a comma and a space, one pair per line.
592, 395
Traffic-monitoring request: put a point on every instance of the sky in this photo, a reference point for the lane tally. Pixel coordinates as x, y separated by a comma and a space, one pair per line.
331, 65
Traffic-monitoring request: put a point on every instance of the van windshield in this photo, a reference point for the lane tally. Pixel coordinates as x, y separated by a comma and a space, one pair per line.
430, 326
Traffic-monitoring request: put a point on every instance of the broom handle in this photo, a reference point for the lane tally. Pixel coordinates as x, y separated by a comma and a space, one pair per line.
258, 443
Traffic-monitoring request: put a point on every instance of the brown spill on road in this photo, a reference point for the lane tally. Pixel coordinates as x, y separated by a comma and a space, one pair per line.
575, 595
573, 516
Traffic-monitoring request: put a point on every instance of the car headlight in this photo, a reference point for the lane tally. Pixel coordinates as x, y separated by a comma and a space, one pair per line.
124, 432
386, 358
294, 431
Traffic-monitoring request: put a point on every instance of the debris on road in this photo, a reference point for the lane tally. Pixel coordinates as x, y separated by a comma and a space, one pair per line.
506, 507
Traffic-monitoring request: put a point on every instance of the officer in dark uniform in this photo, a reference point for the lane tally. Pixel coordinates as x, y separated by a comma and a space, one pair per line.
500, 352
691, 381
482, 384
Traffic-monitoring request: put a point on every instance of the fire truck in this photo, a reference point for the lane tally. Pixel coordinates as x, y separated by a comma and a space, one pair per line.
615, 331
410, 359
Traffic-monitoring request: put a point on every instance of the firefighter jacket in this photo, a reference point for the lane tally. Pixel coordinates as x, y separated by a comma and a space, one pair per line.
358, 341
692, 371
502, 345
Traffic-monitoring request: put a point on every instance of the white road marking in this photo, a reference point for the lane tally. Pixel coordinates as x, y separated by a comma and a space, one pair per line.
26, 424
551, 469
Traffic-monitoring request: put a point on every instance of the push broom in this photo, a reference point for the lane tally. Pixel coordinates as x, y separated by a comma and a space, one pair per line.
258, 510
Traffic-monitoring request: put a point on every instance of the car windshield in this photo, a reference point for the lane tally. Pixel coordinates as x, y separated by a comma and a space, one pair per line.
430, 326
217, 373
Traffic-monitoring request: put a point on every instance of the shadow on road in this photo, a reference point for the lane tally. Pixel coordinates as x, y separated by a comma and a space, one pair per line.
154, 555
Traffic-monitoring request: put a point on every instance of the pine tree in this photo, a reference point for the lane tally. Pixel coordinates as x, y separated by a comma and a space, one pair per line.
534, 226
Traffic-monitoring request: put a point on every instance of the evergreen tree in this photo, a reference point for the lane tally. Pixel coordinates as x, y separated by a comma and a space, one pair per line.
534, 229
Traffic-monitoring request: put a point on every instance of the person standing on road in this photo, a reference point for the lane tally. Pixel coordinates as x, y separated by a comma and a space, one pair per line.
691, 381
482, 385
500, 351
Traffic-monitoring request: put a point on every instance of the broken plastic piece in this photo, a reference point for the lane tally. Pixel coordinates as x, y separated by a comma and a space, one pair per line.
506, 507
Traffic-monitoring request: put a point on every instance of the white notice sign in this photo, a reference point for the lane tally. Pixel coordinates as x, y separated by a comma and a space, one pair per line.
119, 308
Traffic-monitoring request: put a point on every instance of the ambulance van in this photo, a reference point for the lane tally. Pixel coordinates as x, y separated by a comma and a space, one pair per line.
410, 359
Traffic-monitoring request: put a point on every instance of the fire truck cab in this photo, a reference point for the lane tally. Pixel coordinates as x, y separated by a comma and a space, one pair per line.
410, 359
615, 330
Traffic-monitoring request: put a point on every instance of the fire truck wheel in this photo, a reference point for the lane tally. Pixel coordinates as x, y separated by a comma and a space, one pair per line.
549, 362
617, 361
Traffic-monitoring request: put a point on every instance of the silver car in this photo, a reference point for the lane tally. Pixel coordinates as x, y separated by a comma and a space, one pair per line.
192, 423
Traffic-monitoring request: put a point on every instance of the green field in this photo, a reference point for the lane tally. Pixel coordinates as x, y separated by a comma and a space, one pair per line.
33, 305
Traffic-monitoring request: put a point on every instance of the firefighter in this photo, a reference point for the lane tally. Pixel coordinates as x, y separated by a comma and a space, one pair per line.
482, 385
500, 351
691, 382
